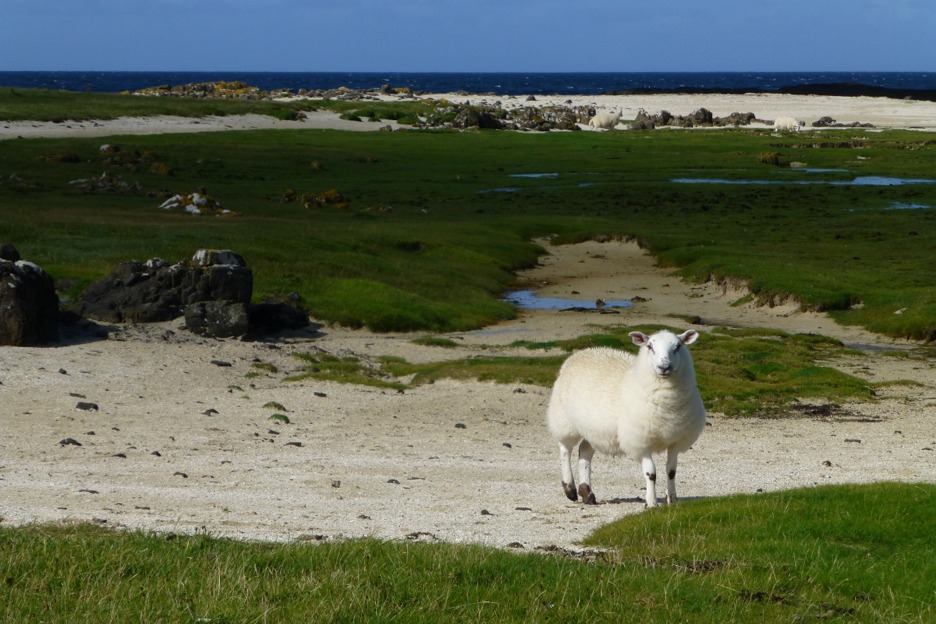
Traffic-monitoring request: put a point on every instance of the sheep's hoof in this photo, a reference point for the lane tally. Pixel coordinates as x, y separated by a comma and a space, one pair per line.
570, 491
588, 497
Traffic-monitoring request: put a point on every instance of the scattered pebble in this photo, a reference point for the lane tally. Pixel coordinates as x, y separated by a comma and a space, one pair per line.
460, 426
69, 441
221, 363
86, 406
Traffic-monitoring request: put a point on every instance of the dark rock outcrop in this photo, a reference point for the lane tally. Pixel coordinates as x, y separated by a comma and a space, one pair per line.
29, 308
155, 291
218, 319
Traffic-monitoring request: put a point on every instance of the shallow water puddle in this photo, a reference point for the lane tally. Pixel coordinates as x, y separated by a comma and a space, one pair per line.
529, 300
533, 176
859, 181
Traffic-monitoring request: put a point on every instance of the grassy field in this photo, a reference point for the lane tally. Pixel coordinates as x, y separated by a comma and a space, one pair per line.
832, 554
431, 230
433, 224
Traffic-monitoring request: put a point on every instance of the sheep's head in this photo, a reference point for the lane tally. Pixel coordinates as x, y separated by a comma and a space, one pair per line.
665, 349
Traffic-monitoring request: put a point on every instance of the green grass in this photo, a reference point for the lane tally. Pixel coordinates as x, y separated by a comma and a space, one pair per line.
428, 242
843, 553
740, 372
839, 554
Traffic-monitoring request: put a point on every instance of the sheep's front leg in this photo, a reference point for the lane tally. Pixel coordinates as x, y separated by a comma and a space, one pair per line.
565, 463
671, 476
586, 452
649, 470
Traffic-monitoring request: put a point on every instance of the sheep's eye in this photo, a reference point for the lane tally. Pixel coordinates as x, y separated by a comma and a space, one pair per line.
678, 347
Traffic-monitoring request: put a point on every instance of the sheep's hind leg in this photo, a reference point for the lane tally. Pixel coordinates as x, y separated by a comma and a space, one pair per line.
586, 452
565, 462
671, 457
649, 470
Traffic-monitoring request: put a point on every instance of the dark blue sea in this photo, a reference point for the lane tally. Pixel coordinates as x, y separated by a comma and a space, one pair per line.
896, 84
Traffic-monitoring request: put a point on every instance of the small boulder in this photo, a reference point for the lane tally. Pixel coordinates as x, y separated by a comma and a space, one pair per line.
29, 307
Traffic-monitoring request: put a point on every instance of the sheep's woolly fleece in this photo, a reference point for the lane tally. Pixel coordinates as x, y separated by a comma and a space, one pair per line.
182, 439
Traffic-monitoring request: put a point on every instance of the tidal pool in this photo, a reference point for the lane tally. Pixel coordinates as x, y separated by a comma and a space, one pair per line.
529, 300
858, 181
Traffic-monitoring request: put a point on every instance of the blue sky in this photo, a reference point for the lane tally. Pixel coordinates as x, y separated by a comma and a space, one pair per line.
475, 35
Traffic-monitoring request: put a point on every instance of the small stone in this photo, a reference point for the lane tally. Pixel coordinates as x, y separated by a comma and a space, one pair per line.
69, 442
460, 426
87, 406
485, 512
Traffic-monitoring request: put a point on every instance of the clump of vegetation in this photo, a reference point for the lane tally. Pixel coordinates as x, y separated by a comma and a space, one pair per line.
769, 158
348, 369
331, 197
741, 372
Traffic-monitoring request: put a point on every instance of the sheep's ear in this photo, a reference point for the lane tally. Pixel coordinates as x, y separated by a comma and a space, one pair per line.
688, 337
639, 338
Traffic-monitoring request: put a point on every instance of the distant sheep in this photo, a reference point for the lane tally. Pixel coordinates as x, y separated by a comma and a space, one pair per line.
787, 123
621, 404
605, 121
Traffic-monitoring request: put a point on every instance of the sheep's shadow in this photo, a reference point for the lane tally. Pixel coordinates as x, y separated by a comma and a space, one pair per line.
76, 330
640, 500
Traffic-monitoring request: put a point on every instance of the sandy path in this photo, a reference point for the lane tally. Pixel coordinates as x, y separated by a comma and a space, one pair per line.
454, 461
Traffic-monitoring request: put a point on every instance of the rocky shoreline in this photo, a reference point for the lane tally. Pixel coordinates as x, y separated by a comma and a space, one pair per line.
531, 116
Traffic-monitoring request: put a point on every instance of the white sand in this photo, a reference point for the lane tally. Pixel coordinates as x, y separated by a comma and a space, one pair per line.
453, 461
883, 113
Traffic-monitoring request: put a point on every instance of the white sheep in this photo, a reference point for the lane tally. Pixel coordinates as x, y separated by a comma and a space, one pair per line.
621, 404
787, 123
605, 121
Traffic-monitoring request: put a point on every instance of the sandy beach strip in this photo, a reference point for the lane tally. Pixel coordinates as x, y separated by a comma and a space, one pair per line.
882, 113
